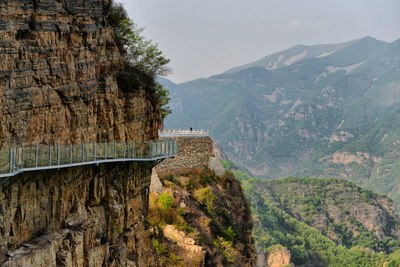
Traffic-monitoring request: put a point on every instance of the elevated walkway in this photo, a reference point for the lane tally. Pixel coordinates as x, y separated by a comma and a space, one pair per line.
41, 157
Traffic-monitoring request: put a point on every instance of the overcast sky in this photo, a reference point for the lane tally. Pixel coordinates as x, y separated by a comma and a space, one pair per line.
207, 37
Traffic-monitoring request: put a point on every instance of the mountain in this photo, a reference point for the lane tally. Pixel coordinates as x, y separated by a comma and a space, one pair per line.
323, 222
322, 111
292, 55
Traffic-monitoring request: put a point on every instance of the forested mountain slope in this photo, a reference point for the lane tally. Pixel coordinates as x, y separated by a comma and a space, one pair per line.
324, 222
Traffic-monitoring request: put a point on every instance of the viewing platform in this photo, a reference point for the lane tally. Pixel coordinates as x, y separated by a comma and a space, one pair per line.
41, 157
179, 133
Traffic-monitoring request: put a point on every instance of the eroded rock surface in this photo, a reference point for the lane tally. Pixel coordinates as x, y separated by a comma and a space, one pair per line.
58, 63
58, 69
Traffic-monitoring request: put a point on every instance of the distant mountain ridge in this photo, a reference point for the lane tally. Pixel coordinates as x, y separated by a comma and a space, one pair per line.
292, 55
321, 110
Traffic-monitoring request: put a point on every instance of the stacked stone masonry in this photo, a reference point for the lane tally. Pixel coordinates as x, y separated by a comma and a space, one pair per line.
194, 153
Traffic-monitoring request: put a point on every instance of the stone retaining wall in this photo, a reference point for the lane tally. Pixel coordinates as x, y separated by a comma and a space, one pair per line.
194, 154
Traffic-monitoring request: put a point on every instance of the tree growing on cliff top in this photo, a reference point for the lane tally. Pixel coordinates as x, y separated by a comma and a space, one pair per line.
163, 96
144, 60
141, 53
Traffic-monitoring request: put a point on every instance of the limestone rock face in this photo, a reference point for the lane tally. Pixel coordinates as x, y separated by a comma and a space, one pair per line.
83, 216
279, 257
58, 69
58, 61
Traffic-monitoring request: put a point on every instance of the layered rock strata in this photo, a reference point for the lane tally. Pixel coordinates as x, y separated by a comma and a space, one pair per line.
58, 63
83, 216
58, 68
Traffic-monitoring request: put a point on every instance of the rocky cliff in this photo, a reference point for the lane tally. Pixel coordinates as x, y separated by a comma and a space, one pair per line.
199, 214
58, 63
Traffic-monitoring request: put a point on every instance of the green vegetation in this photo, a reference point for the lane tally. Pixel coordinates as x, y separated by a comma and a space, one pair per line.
164, 98
141, 53
143, 59
210, 215
206, 198
299, 214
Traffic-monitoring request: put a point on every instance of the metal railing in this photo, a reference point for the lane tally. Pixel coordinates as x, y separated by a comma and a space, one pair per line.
172, 133
41, 157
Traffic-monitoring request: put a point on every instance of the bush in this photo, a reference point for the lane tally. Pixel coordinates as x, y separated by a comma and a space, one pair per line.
207, 198
166, 202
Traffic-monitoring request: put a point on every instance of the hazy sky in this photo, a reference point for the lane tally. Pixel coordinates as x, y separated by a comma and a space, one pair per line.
207, 37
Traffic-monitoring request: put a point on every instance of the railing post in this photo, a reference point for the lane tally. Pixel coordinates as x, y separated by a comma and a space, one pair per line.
10, 155
15, 159
70, 154
133, 149
49, 155
151, 150
58, 154
22, 157
36, 155
105, 150
83, 152
124, 149
115, 149
95, 152
156, 149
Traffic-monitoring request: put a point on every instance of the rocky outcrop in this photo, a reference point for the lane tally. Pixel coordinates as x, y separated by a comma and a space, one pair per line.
208, 203
58, 66
180, 237
279, 256
359, 158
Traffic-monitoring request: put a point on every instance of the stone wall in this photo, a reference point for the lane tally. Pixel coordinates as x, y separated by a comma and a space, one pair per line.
194, 154
83, 216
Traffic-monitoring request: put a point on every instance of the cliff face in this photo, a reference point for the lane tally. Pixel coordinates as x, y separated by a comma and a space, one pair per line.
84, 216
58, 63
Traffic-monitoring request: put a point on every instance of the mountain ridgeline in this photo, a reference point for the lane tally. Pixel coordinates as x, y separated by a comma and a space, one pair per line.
322, 111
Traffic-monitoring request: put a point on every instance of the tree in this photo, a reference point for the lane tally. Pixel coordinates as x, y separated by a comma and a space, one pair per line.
163, 97
144, 60
141, 53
